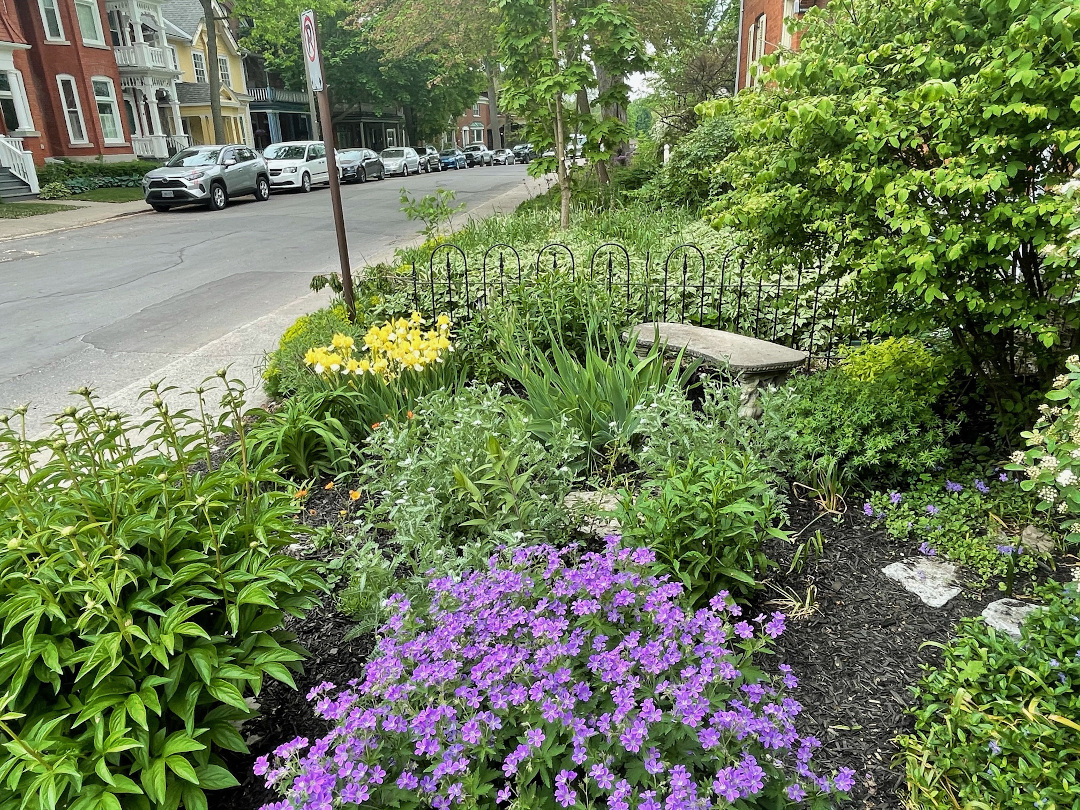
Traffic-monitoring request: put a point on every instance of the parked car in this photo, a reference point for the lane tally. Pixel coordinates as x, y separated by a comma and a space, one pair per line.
357, 165
429, 159
211, 175
524, 152
401, 160
452, 159
297, 164
504, 157
480, 153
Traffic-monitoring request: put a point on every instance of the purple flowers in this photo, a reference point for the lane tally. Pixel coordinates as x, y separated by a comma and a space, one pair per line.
1008, 550
931, 509
895, 498
517, 648
981, 487
952, 486
868, 510
927, 549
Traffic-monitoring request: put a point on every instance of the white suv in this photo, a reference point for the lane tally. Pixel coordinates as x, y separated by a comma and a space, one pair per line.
297, 164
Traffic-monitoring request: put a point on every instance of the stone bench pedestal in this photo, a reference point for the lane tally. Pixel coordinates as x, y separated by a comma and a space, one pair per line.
753, 362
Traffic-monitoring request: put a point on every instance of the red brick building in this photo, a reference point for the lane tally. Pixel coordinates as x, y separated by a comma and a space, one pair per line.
59, 83
762, 29
472, 127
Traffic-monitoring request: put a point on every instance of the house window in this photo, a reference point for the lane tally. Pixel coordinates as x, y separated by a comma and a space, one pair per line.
69, 98
791, 10
14, 111
198, 61
755, 49
759, 41
478, 135
116, 27
476, 110
108, 112
50, 18
175, 58
223, 71
89, 22
464, 136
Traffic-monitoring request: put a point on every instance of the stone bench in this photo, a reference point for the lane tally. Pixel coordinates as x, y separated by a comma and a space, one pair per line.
753, 362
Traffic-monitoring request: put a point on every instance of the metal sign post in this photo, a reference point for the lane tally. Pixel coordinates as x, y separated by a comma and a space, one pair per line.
309, 32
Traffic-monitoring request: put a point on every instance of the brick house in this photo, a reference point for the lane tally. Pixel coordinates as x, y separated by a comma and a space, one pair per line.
474, 126
762, 29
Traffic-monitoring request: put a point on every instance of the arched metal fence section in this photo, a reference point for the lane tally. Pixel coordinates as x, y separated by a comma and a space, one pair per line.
801, 307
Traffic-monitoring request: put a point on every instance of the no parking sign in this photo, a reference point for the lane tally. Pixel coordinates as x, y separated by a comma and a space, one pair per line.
312, 58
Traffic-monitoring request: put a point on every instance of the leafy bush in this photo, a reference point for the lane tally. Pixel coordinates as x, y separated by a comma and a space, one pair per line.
285, 370
53, 191
904, 363
603, 398
689, 177
970, 520
313, 435
865, 431
142, 599
541, 705
707, 520
996, 723
1052, 462
111, 174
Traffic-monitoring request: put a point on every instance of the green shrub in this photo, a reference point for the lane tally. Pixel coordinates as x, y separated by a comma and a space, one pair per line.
53, 191
903, 362
285, 370
142, 599
113, 174
707, 519
864, 431
996, 724
312, 436
689, 177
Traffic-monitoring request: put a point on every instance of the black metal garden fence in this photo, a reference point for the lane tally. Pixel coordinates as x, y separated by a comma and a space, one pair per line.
796, 306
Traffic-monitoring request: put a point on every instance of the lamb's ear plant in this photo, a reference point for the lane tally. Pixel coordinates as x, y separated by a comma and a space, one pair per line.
142, 595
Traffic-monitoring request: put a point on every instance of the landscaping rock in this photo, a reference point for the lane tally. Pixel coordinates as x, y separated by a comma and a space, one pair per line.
755, 362
1035, 541
933, 581
1007, 615
591, 505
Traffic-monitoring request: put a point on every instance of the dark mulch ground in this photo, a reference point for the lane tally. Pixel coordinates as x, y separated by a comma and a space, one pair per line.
857, 656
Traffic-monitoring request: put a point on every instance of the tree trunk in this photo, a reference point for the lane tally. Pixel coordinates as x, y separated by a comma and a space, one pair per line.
497, 141
584, 111
560, 130
213, 73
604, 82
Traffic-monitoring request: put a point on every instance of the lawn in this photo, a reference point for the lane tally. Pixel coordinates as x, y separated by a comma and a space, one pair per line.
110, 195
31, 209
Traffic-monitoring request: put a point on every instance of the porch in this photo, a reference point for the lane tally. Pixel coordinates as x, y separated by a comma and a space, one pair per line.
18, 177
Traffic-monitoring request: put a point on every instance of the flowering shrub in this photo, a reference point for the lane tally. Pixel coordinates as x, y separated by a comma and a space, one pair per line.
963, 520
996, 724
1052, 461
392, 349
902, 362
545, 681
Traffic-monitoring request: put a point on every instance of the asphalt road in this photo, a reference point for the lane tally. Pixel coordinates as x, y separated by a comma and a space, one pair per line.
111, 304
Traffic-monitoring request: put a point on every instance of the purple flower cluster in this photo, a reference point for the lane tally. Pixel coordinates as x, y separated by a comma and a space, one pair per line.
502, 676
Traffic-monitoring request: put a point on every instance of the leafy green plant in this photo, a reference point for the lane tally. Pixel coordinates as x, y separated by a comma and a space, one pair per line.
53, 191
497, 492
142, 593
285, 371
866, 431
689, 177
600, 398
311, 435
903, 363
434, 210
707, 520
371, 577
997, 723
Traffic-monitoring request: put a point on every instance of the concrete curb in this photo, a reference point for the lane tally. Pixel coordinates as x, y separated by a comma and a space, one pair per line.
73, 225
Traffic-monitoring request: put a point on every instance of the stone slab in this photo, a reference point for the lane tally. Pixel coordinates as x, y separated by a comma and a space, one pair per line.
1007, 615
595, 509
739, 353
933, 581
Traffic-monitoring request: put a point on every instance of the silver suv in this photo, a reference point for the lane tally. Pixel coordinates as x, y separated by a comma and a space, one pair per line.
211, 175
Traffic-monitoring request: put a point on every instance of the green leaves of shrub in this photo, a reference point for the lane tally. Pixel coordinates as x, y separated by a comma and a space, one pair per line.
998, 723
707, 519
141, 601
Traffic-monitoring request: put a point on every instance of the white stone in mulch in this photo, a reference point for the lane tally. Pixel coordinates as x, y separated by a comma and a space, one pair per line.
591, 505
1039, 542
1007, 615
933, 581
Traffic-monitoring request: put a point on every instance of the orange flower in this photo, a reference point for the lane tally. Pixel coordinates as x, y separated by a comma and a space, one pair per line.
300, 493
409, 414
376, 426
329, 485
354, 494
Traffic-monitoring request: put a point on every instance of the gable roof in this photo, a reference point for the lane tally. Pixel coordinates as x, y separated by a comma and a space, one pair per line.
185, 15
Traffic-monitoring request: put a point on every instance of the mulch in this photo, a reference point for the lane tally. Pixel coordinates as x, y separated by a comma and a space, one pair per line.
857, 655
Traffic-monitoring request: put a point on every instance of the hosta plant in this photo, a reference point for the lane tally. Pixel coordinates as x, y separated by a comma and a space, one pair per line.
142, 594
551, 680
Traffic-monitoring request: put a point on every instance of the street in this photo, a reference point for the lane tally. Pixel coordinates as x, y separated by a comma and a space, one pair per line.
111, 304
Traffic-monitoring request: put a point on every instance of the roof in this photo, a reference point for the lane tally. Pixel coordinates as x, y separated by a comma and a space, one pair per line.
173, 30
193, 92
8, 31
185, 15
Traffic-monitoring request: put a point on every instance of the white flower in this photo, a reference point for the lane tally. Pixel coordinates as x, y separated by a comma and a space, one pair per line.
1066, 478
319, 368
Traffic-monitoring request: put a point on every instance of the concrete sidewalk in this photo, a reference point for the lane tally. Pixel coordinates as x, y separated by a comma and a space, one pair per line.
244, 349
88, 213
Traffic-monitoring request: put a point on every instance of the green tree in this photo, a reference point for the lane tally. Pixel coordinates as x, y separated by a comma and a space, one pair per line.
910, 144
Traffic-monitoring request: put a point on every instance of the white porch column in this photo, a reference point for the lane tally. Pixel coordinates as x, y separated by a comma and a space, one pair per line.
178, 121
136, 20
151, 97
22, 105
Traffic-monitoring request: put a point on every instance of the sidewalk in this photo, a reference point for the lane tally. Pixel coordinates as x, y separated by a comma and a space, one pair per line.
88, 213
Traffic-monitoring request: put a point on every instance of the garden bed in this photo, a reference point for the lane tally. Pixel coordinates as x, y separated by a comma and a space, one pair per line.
857, 656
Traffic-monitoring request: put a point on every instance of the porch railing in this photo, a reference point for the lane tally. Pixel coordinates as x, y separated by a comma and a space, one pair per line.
141, 55
159, 146
18, 161
268, 94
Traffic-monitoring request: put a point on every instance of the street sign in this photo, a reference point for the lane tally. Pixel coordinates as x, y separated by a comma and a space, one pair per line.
312, 58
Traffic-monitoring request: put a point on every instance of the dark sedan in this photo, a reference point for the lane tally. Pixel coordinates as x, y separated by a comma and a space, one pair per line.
524, 152
452, 159
430, 161
359, 165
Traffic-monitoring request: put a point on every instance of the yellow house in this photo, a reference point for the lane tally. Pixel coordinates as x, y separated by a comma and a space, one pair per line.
186, 34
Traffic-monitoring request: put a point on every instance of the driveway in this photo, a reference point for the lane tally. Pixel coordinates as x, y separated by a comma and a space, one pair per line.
179, 294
